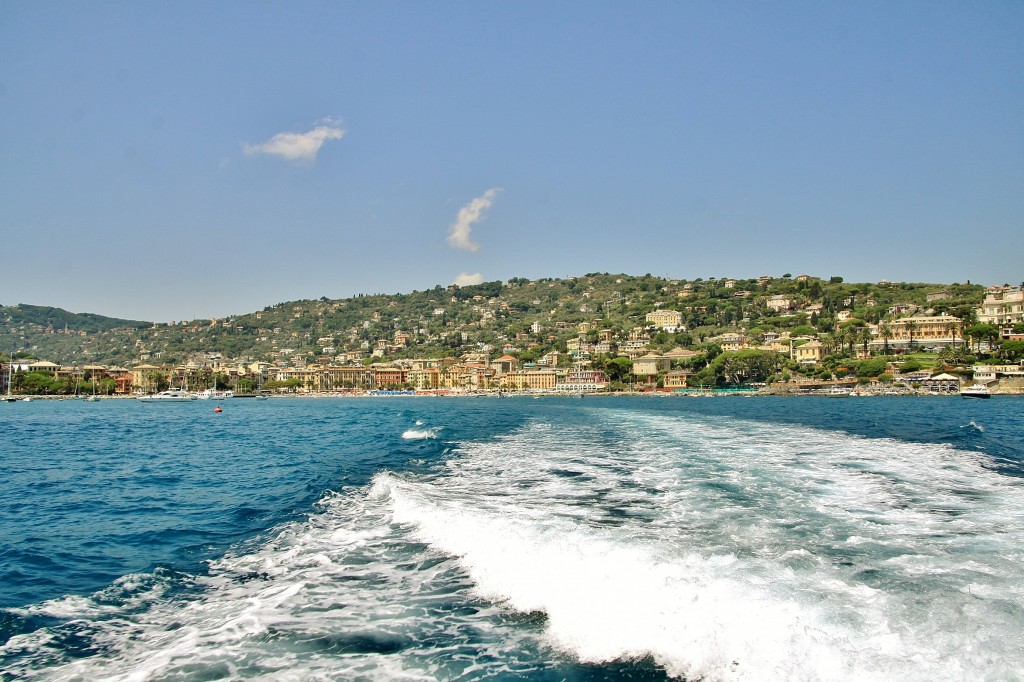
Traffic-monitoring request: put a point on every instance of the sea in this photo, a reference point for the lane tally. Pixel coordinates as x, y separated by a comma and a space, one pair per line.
518, 538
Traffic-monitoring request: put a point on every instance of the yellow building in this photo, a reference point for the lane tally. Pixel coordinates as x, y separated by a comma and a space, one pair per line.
809, 353
648, 366
669, 320
146, 377
941, 330
677, 379
425, 379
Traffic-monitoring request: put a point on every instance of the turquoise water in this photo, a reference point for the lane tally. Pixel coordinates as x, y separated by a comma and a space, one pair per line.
435, 538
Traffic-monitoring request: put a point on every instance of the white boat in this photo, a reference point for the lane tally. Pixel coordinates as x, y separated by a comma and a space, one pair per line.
214, 394
975, 391
10, 379
174, 395
93, 398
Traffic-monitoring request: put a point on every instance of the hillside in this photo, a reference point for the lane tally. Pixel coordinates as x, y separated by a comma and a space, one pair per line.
532, 315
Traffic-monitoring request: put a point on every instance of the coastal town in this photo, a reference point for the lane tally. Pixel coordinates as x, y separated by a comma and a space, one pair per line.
594, 334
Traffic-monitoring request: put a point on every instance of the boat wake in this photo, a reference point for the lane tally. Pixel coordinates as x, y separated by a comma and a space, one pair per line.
718, 549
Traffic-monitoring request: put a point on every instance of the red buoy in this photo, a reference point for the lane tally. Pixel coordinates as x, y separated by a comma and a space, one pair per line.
218, 409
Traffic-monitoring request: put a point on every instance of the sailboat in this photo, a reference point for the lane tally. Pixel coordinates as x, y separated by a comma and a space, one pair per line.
10, 379
93, 398
260, 395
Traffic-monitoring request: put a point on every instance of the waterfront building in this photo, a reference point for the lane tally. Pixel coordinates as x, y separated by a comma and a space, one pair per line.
927, 331
646, 368
809, 353
425, 379
677, 379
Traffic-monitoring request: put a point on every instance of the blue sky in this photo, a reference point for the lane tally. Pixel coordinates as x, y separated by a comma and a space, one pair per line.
185, 160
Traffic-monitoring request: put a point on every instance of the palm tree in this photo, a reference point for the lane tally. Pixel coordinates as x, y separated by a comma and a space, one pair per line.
864, 336
951, 329
885, 331
829, 341
911, 327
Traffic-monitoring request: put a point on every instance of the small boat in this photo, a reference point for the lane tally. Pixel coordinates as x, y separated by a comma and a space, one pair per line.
174, 395
975, 391
838, 392
212, 393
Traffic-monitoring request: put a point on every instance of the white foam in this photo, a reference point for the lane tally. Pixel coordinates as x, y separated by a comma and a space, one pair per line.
340, 596
726, 550
727, 558
420, 434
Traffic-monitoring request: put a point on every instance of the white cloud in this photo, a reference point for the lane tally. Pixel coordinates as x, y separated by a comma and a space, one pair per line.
469, 215
464, 279
299, 147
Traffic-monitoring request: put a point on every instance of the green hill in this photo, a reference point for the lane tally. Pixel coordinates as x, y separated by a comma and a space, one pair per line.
533, 315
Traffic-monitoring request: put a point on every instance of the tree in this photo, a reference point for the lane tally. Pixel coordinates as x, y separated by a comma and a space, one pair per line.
742, 366
1011, 351
956, 356
951, 328
885, 331
864, 337
35, 383
618, 369
871, 368
910, 365
981, 332
829, 341
911, 327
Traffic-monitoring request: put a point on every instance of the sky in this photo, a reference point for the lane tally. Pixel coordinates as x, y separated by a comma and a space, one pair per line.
186, 160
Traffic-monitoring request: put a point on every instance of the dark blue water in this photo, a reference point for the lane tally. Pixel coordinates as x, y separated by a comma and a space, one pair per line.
117, 517
94, 491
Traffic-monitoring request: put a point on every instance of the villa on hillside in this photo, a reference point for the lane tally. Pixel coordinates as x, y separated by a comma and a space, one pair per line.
669, 320
779, 302
1002, 306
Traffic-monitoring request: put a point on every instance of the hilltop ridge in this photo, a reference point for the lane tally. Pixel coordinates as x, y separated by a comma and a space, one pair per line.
519, 315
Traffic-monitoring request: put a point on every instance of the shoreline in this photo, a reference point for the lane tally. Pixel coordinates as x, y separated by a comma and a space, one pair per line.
675, 393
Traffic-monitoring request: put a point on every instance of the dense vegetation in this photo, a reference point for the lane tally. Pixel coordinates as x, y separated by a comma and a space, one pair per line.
531, 316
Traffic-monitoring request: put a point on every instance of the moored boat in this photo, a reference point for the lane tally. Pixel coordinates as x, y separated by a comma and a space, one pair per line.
174, 395
214, 394
975, 391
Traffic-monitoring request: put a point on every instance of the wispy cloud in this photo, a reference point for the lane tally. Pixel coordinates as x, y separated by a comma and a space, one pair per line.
464, 279
299, 147
469, 215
